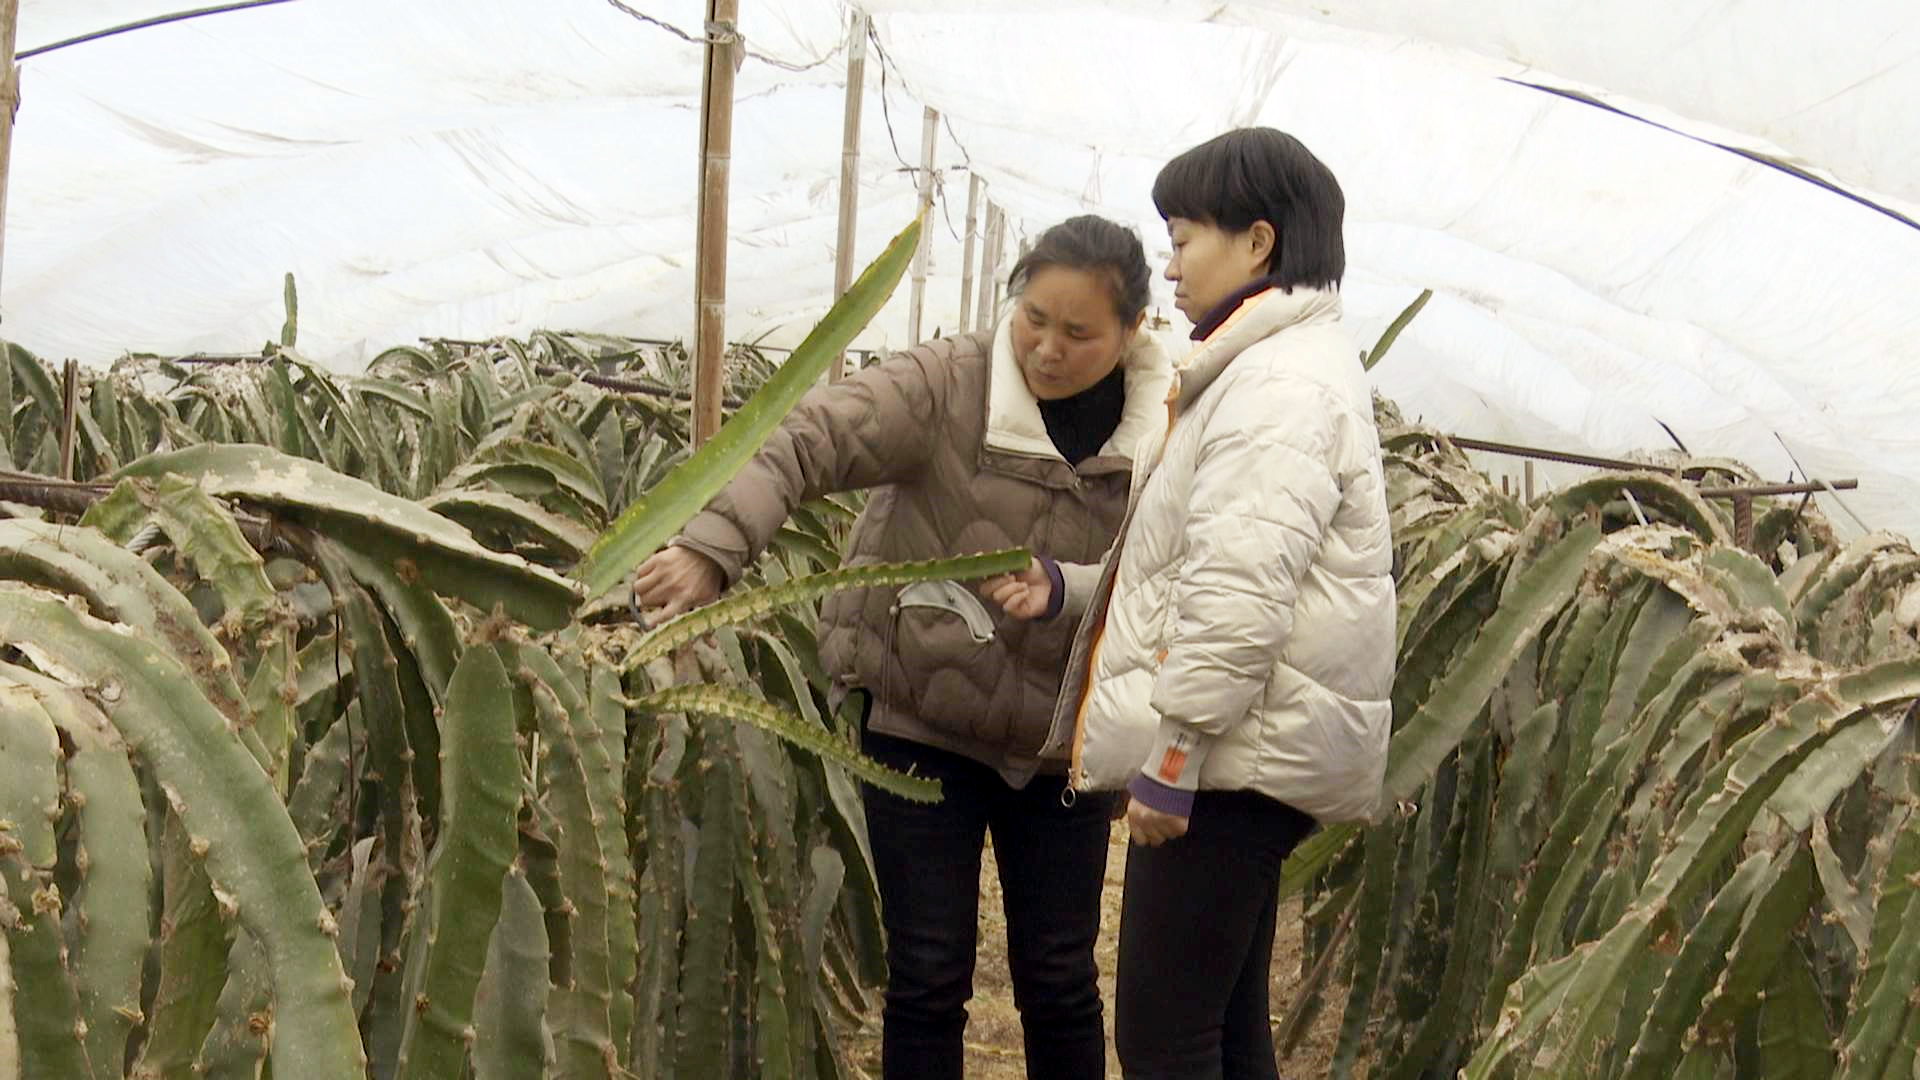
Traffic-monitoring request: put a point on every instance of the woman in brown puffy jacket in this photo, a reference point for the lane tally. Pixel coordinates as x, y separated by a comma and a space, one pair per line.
1014, 437
1018, 437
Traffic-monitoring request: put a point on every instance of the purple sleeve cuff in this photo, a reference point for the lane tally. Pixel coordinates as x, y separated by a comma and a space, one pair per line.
1058, 596
1155, 795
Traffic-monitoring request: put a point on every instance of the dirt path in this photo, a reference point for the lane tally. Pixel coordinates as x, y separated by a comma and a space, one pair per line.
993, 1030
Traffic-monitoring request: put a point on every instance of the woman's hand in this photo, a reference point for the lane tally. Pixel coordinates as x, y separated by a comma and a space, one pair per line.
1024, 595
1148, 826
674, 581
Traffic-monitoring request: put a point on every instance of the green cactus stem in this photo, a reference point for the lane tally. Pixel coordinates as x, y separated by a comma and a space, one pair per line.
736, 705
227, 804
481, 774
382, 527
109, 936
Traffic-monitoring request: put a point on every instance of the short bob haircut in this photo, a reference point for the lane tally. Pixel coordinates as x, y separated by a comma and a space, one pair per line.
1259, 174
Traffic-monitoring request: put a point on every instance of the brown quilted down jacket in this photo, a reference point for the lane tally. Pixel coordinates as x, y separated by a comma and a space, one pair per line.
953, 445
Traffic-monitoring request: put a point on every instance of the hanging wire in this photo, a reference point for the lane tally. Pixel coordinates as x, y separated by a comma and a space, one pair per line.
1751, 155
966, 159
886, 113
142, 24
873, 36
893, 139
722, 35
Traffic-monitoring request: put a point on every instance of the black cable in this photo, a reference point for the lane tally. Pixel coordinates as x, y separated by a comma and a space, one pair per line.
886, 113
1751, 155
157, 20
714, 39
966, 158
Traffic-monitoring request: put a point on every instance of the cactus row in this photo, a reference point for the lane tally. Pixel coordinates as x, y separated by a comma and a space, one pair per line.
1701, 757
376, 803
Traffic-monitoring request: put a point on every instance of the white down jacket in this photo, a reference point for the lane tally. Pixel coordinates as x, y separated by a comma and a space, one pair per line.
1241, 633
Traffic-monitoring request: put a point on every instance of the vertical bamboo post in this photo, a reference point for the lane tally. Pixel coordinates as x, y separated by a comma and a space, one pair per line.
999, 283
974, 185
850, 167
989, 268
999, 252
9, 104
916, 300
716, 156
1527, 468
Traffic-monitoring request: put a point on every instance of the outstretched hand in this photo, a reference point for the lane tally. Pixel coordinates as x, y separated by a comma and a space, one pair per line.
674, 581
1023, 595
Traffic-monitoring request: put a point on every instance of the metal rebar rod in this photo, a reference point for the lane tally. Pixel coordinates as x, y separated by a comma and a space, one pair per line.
74, 498
1723, 492
1814, 488
628, 386
1557, 455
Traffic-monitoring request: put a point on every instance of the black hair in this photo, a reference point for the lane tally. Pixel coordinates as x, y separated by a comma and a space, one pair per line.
1094, 244
1259, 174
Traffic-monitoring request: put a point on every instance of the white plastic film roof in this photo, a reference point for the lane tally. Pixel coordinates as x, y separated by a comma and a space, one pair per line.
469, 168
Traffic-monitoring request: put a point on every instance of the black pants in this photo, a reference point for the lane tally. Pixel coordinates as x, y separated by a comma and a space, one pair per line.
1052, 860
1196, 942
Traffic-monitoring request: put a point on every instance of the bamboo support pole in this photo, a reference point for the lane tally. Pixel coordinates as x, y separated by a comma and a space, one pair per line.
1026, 247
9, 105
990, 266
916, 299
716, 154
843, 248
974, 186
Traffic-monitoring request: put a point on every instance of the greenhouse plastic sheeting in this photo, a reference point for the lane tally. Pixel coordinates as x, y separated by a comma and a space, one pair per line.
1687, 212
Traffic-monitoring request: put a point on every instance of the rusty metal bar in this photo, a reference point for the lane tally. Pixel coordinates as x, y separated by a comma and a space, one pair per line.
1724, 492
1556, 455
74, 498
1748, 490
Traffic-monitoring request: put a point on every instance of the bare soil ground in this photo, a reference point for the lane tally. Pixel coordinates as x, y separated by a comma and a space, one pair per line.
993, 1030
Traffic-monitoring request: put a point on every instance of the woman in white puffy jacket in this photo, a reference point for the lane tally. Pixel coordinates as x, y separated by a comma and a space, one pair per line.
1234, 661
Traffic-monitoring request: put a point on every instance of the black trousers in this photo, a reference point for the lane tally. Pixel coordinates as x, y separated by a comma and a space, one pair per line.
1196, 942
1052, 861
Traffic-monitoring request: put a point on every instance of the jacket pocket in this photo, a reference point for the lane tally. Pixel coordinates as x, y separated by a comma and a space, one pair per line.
950, 597
952, 657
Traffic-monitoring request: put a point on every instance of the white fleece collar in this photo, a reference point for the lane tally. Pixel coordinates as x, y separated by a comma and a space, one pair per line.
1014, 424
1259, 316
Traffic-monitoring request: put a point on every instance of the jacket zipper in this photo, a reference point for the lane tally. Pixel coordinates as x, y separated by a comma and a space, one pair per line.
1076, 772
